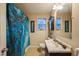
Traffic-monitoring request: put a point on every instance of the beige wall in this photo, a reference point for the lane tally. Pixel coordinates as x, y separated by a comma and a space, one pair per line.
2, 26
38, 36
75, 24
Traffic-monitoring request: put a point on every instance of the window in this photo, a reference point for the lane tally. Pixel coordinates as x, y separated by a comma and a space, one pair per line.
41, 23
58, 23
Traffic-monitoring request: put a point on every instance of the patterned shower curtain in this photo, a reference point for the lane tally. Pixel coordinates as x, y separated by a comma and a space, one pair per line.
18, 38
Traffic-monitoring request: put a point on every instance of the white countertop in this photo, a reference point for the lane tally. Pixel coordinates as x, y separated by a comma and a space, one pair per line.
54, 47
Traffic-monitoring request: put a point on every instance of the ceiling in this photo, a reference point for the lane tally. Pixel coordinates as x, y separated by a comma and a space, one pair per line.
39, 8
43, 7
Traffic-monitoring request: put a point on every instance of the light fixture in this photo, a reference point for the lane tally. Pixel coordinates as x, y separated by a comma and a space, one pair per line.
57, 7
60, 7
54, 7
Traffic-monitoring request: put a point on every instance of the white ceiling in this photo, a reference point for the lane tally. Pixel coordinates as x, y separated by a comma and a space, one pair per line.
43, 7
39, 8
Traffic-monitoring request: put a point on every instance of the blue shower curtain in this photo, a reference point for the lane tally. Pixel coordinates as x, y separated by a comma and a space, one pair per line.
18, 38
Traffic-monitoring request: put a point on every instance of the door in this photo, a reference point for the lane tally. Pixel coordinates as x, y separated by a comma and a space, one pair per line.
2, 29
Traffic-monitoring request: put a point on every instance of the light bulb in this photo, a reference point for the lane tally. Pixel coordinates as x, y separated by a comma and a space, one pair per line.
57, 7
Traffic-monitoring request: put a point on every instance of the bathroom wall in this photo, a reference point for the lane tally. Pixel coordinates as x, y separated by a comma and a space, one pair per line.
75, 25
38, 36
2, 27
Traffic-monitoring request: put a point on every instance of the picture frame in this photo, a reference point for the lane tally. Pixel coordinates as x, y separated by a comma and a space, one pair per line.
32, 26
66, 26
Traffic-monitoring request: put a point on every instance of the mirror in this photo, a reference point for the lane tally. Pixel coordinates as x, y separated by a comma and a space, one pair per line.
64, 21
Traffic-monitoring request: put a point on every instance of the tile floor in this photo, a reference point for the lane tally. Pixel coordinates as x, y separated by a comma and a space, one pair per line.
34, 51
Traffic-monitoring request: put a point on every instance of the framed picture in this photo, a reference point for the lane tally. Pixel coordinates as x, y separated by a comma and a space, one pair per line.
32, 26
66, 26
